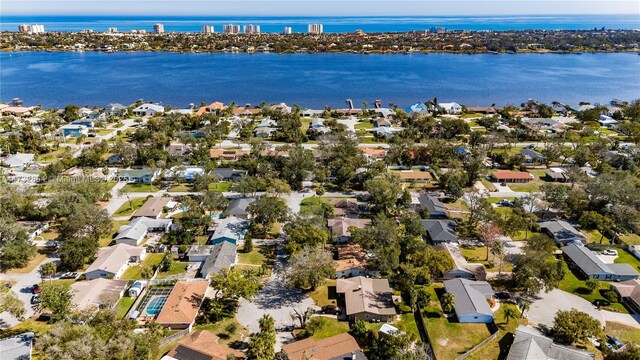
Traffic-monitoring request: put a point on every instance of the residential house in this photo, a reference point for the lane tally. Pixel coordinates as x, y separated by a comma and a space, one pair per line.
148, 110
381, 123
264, 132
471, 300
606, 121
591, 266
487, 110
115, 110
34, 228
97, 293
462, 269
366, 299
373, 153
73, 130
182, 305
562, 232
17, 347
345, 207
20, 111
557, 175
635, 251
440, 231
529, 344
386, 131
228, 174
19, 161
112, 261
137, 229
431, 205
414, 176
230, 229
339, 227
223, 255
352, 261
238, 207
180, 151
531, 156
86, 122
138, 176
544, 124
211, 108
188, 174
246, 111
451, 107
418, 108
337, 347
154, 207
226, 154
511, 176
202, 345
309, 113
628, 292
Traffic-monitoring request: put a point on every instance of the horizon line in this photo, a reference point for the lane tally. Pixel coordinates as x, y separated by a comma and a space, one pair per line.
317, 16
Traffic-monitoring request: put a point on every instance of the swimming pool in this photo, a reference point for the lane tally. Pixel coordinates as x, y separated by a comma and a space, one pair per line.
155, 305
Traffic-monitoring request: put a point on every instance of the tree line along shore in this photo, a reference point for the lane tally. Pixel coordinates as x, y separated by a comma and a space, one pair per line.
464, 42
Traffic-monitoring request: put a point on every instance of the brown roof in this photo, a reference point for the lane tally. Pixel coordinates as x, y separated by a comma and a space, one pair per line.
325, 349
227, 154
183, 303
152, 207
348, 205
351, 256
414, 175
204, 343
373, 152
246, 111
340, 226
366, 295
213, 106
508, 175
628, 288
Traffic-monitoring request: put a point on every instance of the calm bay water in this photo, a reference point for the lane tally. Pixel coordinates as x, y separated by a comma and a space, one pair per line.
314, 80
331, 24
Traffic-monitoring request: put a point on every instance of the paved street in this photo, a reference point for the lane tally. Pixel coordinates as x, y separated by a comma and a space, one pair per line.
275, 299
22, 287
543, 310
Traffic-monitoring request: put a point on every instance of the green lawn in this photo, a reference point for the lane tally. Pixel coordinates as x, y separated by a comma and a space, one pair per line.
135, 271
115, 226
452, 339
367, 124
593, 236
255, 257
631, 239
312, 205
38, 327
494, 348
625, 257
123, 306
479, 255
140, 188
184, 187
623, 332
327, 327
128, 209
570, 283
325, 294
220, 330
220, 186
176, 268
526, 187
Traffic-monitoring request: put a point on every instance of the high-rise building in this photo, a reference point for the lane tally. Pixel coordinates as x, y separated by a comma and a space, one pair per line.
287, 30
437, 30
315, 29
231, 29
158, 28
251, 29
207, 29
31, 29
112, 30
24, 28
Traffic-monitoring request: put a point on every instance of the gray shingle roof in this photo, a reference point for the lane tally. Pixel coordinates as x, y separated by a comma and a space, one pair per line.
530, 344
238, 207
470, 296
441, 230
230, 227
431, 203
562, 231
589, 263
223, 256
17, 347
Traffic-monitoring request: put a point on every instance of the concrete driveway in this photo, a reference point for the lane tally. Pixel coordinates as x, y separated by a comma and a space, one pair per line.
543, 310
275, 299
22, 287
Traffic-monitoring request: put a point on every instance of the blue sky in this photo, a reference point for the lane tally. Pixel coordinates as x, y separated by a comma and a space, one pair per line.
317, 7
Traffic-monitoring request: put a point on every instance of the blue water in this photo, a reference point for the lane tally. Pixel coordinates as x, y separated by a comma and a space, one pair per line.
155, 305
331, 24
315, 80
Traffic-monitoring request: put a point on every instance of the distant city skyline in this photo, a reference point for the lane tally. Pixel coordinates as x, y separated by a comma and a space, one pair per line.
318, 8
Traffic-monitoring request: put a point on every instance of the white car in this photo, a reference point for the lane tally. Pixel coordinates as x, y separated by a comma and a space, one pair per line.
610, 252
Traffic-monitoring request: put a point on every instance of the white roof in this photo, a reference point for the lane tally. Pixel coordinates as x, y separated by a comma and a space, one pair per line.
19, 159
112, 259
92, 293
155, 107
230, 227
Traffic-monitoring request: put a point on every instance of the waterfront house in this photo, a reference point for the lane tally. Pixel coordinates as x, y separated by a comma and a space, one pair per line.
137, 229
471, 300
115, 110
592, 267
440, 231
211, 108
366, 299
417, 108
112, 261
148, 109
19, 111
529, 344
337, 347
562, 232
138, 176
183, 305
450, 107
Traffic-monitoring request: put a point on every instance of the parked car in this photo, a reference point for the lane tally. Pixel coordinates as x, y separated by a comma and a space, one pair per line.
35, 299
504, 202
610, 252
615, 342
330, 309
611, 347
35, 289
69, 275
601, 302
503, 295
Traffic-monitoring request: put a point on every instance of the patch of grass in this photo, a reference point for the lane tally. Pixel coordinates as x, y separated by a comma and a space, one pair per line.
495, 200
35, 261
184, 187
452, 339
623, 332
219, 328
631, 239
479, 255
324, 294
220, 186
123, 306
128, 209
367, 124
176, 268
255, 257
140, 188
326, 327
38, 327
570, 283
135, 271
625, 257
50, 234
312, 205
525, 187
115, 226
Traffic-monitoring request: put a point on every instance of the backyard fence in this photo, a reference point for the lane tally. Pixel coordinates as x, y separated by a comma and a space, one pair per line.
173, 337
475, 348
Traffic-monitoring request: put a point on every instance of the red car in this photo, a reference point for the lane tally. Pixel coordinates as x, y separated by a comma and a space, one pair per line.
35, 289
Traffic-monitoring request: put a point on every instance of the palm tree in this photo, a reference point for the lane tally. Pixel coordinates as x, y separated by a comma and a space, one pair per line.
592, 284
509, 313
448, 302
524, 306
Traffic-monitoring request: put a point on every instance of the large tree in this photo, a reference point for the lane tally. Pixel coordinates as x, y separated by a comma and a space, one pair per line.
56, 297
297, 165
266, 211
261, 345
10, 303
537, 269
15, 248
310, 267
385, 192
234, 284
301, 232
574, 325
